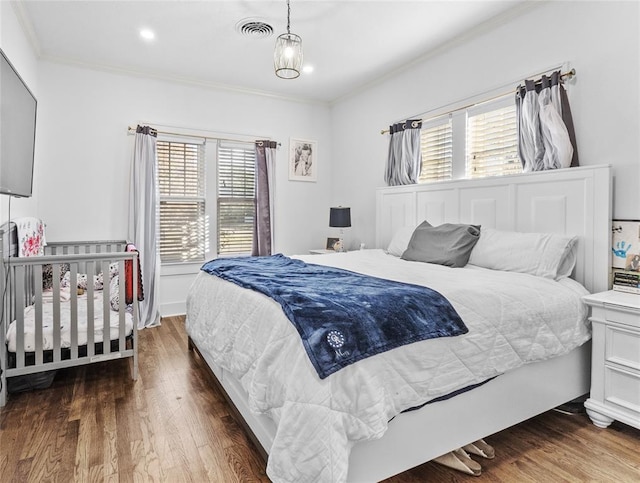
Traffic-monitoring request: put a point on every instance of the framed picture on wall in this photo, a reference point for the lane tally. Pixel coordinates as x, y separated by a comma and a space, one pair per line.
303, 160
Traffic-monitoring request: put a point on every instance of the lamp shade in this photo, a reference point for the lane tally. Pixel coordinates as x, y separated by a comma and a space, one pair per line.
340, 217
287, 57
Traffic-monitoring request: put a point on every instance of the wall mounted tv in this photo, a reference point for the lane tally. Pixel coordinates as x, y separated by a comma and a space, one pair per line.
17, 132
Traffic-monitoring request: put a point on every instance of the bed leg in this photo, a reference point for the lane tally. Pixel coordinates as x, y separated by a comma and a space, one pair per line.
189, 344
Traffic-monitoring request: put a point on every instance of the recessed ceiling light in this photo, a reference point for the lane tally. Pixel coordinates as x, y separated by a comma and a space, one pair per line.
147, 34
307, 69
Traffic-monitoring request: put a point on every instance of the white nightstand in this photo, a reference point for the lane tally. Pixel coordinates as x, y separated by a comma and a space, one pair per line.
615, 361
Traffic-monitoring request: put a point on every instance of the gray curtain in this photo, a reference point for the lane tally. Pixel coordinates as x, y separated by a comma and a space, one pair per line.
144, 221
404, 160
546, 137
265, 189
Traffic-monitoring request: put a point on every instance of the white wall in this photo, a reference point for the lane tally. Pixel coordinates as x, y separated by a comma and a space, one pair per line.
85, 154
18, 50
600, 39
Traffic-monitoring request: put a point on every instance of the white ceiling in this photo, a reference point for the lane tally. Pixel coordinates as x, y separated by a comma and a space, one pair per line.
349, 43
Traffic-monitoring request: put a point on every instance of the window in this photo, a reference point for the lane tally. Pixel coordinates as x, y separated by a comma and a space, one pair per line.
182, 201
206, 193
492, 140
236, 198
436, 147
473, 142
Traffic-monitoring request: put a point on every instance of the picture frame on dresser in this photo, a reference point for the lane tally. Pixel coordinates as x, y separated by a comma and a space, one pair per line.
331, 243
625, 256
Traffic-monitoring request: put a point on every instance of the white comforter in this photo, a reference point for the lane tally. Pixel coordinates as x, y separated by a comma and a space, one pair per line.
513, 319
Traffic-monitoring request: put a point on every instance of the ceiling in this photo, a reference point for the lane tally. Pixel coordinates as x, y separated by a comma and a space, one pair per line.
349, 43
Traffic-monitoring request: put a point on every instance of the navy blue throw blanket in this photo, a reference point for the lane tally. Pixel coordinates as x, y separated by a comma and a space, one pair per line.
342, 316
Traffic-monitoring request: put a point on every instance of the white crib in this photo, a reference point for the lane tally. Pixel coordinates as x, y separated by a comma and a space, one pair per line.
44, 330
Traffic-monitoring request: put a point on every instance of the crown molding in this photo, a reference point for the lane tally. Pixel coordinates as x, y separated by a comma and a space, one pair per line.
113, 69
27, 26
478, 30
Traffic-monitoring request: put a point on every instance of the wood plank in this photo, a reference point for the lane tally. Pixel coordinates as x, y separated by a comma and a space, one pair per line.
95, 424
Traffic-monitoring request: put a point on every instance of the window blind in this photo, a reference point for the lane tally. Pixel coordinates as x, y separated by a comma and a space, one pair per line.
236, 198
492, 141
436, 143
181, 183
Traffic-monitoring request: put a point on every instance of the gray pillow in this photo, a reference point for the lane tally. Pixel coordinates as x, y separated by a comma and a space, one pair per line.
448, 244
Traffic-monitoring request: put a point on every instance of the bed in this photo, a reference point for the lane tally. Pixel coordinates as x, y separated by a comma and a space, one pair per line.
359, 429
66, 308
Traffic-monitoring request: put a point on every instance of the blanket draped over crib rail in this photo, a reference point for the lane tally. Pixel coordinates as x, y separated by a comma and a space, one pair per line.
342, 316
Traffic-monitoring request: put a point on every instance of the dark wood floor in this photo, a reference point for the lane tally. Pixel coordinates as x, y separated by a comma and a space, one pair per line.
95, 424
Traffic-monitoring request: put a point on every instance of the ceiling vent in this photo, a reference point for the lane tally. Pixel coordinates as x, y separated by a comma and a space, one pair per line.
250, 27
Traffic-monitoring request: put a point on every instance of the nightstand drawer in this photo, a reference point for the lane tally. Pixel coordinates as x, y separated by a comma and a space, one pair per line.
622, 389
622, 315
622, 347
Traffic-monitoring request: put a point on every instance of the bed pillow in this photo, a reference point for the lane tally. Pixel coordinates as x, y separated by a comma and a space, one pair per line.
448, 244
543, 254
400, 241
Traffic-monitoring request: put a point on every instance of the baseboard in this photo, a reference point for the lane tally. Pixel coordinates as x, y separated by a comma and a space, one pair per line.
173, 308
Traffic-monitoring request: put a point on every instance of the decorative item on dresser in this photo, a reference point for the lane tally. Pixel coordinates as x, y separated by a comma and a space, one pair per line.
625, 259
615, 362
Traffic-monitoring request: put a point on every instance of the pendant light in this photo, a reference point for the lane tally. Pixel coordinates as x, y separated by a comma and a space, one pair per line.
287, 57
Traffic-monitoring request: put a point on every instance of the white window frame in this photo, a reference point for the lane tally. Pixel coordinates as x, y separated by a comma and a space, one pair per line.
459, 118
210, 142
430, 124
492, 105
230, 145
209, 159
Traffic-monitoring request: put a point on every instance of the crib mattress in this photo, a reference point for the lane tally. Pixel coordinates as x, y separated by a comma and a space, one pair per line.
65, 324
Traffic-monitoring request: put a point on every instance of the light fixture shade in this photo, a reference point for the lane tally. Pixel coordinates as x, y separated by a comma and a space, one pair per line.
340, 217
287, 57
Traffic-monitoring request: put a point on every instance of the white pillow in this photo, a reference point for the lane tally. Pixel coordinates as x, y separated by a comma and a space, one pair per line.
543, 254
400, 241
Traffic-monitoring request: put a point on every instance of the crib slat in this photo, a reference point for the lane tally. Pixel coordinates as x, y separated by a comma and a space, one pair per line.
91, 348
37, 282
122, 307
106, 315
28, 286
56, 312
74, 311
19, 285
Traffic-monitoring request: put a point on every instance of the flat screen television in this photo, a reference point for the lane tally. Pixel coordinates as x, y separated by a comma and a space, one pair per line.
17, 132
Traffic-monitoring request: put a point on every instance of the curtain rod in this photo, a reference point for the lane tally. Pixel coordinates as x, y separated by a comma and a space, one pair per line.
569, 75
132, 130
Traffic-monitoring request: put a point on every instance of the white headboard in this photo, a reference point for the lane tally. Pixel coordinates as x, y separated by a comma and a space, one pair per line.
573, 201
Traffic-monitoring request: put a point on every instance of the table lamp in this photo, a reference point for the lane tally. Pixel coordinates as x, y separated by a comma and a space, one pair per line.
340, 217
